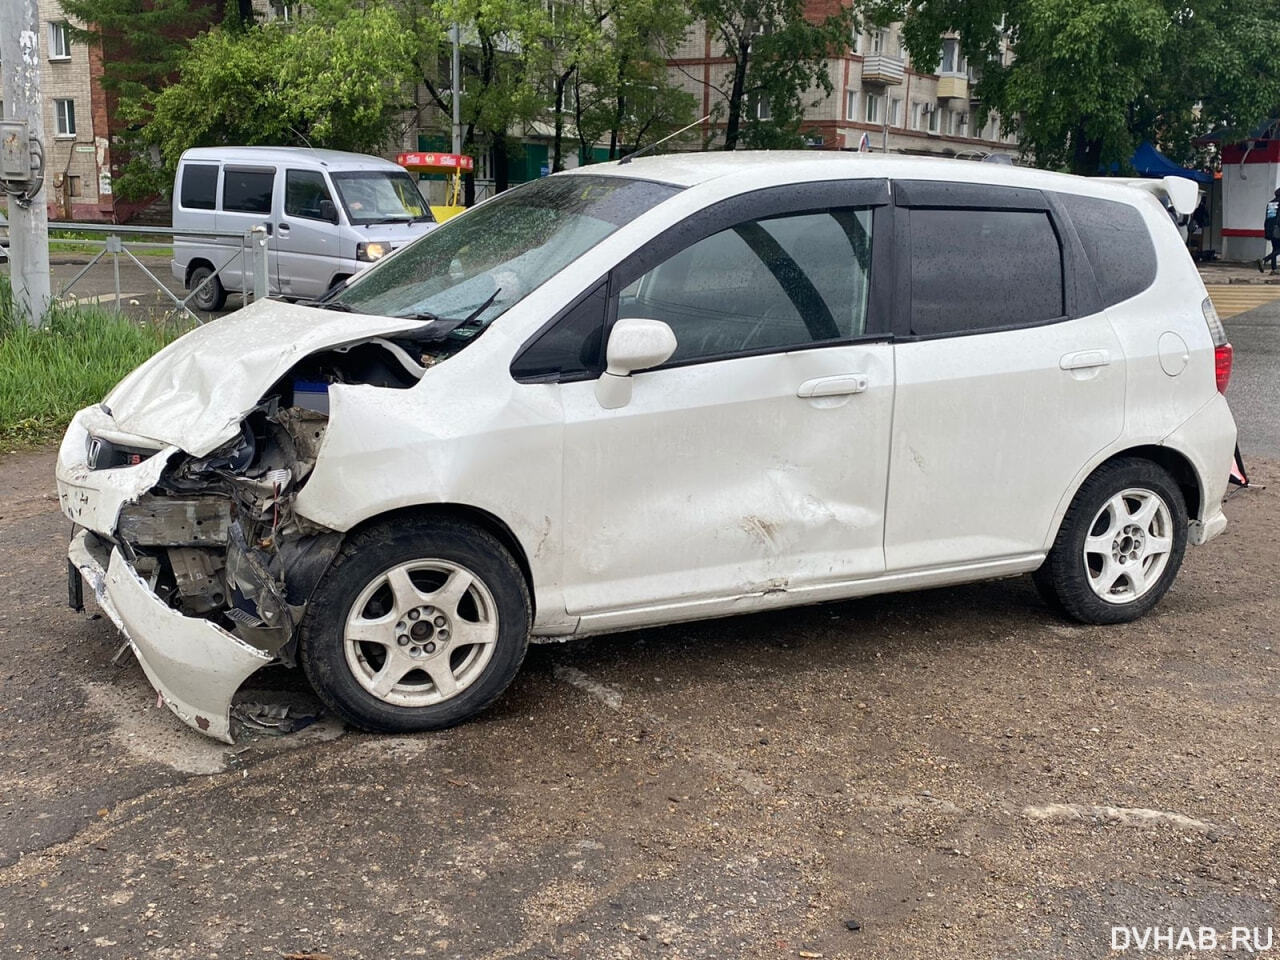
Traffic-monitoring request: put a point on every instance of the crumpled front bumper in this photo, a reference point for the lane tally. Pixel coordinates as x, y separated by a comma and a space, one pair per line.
195, 665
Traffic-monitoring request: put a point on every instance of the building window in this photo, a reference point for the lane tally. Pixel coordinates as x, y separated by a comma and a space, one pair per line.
959, 124
762, 111
932, 112
284, 11
851, 105
952, 62
917, 115
895, 112
880, 41
872, 113
64, 113
59, 41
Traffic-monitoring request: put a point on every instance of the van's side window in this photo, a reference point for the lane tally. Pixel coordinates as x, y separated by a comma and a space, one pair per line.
304, 190
247, 189
974, 270
199, 187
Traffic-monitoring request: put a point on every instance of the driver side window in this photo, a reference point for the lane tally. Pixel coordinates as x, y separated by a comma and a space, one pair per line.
772, 284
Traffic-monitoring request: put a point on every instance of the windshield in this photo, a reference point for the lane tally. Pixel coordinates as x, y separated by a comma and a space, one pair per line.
380, 196
475, 266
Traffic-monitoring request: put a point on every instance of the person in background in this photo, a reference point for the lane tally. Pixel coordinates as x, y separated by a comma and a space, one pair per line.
1271, 230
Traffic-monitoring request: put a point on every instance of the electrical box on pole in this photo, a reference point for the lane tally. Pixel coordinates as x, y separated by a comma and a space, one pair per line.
22, 159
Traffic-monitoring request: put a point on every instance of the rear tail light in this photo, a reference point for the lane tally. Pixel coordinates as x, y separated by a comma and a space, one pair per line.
1222, 352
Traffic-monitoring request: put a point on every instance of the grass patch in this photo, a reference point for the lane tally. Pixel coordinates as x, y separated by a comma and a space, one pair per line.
71, 361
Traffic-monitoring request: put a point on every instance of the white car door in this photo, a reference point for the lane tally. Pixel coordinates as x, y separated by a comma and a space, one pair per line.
1010, 377
755, 459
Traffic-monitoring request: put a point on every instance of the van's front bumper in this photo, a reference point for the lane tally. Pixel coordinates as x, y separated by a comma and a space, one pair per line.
195, 665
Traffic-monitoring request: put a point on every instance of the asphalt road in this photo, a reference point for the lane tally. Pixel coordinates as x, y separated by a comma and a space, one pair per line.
956, 772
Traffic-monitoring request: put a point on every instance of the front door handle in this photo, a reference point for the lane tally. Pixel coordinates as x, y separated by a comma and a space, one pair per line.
1084, 359
833, 386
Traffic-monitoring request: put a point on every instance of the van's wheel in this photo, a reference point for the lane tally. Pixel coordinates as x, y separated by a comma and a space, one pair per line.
417, 625
211, 296
1120, 544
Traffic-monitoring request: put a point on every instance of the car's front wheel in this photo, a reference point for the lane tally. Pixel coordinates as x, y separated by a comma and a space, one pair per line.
418, 625
1120, 544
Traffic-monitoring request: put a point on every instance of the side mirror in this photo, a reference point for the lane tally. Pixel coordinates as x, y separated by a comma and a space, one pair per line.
328, 211
634, 344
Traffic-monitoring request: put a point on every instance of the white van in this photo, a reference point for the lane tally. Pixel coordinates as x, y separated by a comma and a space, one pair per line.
329, 215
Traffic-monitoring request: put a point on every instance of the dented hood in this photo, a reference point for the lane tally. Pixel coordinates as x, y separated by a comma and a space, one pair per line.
194, 393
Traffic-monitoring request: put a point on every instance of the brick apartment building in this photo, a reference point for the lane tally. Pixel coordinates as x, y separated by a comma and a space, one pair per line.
877, 91
77, 141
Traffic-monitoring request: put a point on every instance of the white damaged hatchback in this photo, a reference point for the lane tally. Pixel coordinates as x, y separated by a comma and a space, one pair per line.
634, 394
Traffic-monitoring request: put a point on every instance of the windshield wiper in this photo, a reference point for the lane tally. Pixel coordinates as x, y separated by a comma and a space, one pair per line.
440, 327
334, 305
481, 309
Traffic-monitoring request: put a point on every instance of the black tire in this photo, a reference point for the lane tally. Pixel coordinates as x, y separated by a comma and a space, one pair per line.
363, 562
213, 296
1064, 581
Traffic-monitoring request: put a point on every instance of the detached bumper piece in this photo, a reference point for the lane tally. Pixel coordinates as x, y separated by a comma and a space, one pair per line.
196, 665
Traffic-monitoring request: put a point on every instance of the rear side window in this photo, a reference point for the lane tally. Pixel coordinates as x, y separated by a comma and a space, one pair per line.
199, 187
974, 270
247, 189
1116, 242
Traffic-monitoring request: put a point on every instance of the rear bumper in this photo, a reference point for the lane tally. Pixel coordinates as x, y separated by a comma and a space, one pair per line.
1208, 440
195, 665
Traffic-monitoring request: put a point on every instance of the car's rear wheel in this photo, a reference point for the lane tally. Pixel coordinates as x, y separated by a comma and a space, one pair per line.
210, 296
1120, 545
416, 626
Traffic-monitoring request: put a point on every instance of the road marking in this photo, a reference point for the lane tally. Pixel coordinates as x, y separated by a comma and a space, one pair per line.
1231, 299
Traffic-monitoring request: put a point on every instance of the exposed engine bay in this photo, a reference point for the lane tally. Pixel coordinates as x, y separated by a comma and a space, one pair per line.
217, 537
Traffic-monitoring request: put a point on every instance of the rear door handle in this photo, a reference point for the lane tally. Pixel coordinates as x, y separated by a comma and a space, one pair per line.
833, 386
284, 229
1084, 359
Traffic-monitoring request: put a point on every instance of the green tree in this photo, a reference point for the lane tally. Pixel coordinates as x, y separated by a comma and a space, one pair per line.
1084, 81
337, 83
622, 89
142, 43
776, 56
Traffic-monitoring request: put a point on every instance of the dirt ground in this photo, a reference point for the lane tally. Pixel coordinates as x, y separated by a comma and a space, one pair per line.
748, 787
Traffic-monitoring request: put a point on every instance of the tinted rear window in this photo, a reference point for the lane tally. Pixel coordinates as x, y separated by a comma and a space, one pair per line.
247, 189
975, 270
1116, 241
199, 186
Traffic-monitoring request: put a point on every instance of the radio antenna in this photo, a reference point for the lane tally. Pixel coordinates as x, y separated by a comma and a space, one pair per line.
657, 143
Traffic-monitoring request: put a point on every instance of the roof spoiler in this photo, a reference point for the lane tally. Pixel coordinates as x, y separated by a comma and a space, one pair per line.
1179, 192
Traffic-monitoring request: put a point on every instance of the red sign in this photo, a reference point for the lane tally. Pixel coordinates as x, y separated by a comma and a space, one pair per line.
436, 161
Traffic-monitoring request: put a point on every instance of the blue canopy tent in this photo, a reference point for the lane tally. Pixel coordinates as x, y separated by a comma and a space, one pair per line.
1150, 162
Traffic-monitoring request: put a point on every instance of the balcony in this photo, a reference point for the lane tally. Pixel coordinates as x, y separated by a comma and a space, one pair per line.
883, 69
953, 86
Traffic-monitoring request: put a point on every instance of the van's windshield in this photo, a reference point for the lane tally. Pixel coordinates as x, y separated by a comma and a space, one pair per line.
380, 196
474, 267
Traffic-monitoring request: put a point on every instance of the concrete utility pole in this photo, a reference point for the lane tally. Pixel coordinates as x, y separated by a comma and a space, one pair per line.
456, 35
28, 216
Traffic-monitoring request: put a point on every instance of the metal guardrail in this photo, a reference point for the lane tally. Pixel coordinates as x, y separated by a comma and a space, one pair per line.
252, 252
